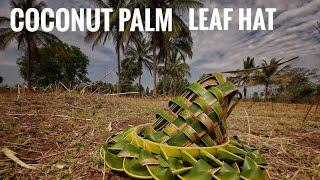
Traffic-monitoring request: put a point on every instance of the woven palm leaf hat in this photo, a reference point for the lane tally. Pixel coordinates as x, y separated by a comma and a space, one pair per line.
188, 140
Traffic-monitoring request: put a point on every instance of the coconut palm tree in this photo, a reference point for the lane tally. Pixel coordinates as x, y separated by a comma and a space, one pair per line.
266, 74
119, 38
269, 73
27, 41
243, 78
139, 51
176, 69
181, 43
160, 40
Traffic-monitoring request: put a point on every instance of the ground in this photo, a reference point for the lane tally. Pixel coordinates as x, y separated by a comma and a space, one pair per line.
61, 133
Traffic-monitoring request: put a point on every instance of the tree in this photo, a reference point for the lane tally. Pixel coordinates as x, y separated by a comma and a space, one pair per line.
175, 72
298, 85
119, 38
139, 52
131, 70
70, 70
243, 78
180, 42
164, 86
160, 40
268, 74
1, 79
27, 41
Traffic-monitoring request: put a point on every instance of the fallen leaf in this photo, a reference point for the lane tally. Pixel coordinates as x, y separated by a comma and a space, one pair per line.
60, 166
11, 155
109, 127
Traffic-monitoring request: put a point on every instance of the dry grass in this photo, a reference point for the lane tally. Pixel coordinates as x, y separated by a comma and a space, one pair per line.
61, 133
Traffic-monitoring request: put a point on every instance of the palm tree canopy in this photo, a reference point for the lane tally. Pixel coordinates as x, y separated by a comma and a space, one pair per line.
180, 36
139, 50
177, 68
281, 62
118, 37
243, 77
248, 63
270, 72
28, 41
37, 38
162, 42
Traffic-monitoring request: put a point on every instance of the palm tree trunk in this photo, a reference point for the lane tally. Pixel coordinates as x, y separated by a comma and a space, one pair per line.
139, 80
140, 85
245, 91
119, 69
29, 64
173, 88
154, 59
165, 75
266, 91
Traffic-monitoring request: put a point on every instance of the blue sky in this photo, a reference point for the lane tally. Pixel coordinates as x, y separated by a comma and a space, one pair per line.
293, 35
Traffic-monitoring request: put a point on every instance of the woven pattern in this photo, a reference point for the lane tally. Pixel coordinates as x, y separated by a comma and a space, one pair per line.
188, 140
198, 117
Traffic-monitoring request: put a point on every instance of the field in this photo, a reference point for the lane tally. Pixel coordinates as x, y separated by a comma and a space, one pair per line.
61, 133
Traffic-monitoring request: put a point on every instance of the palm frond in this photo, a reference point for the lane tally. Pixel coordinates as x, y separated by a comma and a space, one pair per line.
98, 3
317, 27
186, 4
7, 36
4, 21
52, 41
257, 68
40, 6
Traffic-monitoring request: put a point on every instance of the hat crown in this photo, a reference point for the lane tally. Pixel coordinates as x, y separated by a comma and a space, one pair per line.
198, 116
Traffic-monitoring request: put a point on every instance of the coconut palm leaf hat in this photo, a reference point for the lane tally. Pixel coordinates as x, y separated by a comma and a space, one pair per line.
188, 139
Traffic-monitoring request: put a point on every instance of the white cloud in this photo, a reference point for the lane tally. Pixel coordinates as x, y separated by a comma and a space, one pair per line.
294, 35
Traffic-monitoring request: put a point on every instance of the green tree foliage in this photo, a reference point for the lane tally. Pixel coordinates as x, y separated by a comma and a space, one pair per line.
243, 78
166, 85
269, 74
108, 88
118, 37
173, 45
299, 85
138, 52
27, 41
160, 41
179, 38
70, 70
131, 70
174, 75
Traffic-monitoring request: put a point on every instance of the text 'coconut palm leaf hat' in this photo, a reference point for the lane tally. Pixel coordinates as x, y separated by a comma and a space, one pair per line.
188, 140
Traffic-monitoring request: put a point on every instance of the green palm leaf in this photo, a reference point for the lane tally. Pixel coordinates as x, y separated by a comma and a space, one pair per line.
188, 140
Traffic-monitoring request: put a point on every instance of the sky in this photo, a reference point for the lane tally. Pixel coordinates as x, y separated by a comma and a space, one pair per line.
293, 35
